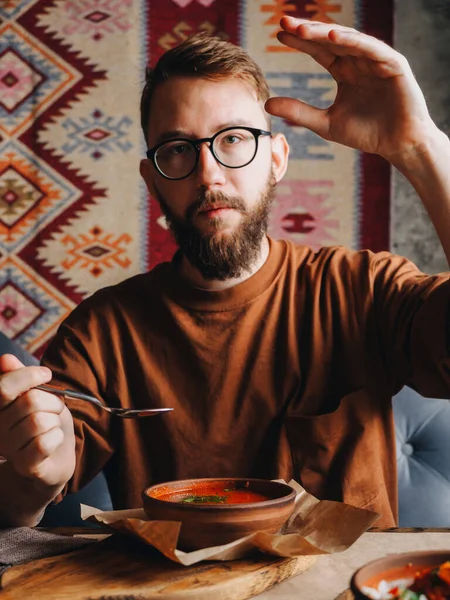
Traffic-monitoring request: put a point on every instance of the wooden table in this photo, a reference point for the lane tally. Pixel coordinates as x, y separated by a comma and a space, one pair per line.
101, 572
331, 574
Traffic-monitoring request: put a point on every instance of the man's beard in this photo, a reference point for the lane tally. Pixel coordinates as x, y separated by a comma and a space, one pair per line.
221, 255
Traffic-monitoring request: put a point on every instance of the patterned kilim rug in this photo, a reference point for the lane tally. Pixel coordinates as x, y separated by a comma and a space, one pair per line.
74, 214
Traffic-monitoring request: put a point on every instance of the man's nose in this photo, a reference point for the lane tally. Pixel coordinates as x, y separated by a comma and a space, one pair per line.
209, 171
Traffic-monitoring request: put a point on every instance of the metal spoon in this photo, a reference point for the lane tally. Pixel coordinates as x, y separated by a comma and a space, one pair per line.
125, 413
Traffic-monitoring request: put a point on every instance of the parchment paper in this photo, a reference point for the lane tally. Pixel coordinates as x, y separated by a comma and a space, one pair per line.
314, 527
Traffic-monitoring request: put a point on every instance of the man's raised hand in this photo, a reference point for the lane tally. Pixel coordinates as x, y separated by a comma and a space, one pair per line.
379, 107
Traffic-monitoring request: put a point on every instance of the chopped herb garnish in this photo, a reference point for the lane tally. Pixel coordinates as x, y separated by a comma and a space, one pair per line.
408, 595
204, 499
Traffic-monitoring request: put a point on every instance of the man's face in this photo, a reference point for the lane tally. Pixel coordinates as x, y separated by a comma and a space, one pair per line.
218, 215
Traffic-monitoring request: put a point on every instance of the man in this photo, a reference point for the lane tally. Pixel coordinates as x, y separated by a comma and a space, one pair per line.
278, 361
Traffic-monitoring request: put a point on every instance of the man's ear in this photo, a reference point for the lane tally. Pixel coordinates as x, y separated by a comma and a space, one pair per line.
147, 173
280, 155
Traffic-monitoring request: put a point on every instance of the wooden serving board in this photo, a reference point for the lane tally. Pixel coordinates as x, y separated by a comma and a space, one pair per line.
119, 568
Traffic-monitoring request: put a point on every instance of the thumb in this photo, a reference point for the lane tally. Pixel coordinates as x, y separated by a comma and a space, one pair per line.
9, 362
300, 113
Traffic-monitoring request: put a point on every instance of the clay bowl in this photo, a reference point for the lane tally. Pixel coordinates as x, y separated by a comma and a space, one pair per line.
204, 525
394, 567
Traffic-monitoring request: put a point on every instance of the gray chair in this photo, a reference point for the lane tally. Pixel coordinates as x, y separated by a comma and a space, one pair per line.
423, 459
7, 346
95, 493
67, 512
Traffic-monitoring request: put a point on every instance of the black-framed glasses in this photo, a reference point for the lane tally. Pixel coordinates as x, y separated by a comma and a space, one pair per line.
233, 147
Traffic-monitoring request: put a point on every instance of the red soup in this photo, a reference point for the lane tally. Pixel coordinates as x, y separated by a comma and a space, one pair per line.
213, 493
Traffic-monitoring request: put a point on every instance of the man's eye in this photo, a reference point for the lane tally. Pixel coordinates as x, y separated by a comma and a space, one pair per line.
178, 149
232, 139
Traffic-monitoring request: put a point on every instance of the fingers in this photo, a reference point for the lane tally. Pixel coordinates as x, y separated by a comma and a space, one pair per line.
26, 418
312, 29
338, 40
318, 52
9, 362
358, 44
32, 430
300, 114
30, 419
19, 380
36, 428
31, 460
29, 403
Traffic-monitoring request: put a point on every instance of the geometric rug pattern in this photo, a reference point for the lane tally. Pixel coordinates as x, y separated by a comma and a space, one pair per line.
74, 214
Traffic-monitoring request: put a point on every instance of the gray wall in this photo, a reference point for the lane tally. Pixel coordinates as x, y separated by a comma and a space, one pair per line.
422, 34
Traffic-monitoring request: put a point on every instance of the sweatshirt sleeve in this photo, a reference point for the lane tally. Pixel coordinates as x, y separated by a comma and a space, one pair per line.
78, 359
411, 315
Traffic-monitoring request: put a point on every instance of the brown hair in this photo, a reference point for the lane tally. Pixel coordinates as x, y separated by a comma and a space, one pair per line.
201, 55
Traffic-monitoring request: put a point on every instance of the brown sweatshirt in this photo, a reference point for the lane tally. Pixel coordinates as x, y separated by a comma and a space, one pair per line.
289, 374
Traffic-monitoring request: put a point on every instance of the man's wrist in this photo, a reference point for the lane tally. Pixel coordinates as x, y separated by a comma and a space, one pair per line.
419, 157
27, 498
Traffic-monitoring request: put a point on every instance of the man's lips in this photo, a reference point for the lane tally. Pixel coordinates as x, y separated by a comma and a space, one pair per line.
214, 211
214, 208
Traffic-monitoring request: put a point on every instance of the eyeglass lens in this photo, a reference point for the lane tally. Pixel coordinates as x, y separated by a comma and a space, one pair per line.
232, 148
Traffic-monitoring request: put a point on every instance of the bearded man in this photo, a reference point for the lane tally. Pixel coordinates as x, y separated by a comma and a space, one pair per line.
279, 362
